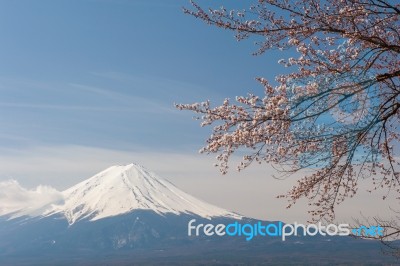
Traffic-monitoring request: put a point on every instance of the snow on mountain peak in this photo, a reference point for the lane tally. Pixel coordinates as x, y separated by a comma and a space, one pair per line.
123, 188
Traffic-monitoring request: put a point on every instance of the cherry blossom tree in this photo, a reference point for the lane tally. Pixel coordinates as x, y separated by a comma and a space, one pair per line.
336, 114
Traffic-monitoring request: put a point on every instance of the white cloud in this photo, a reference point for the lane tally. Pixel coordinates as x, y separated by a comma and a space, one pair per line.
16, 200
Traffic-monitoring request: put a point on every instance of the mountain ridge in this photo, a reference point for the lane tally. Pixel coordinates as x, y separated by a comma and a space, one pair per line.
121, 189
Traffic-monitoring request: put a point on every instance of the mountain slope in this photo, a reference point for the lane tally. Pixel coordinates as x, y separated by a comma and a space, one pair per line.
124, 188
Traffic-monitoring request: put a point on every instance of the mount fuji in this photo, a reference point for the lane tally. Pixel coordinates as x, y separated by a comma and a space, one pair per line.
127, 214
125, 188
123, 208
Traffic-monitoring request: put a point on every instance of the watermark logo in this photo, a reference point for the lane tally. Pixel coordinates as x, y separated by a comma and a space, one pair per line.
278, 229
341, 106
364, 231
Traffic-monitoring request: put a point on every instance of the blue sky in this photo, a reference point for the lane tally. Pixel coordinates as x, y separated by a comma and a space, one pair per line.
106, 73
91, 83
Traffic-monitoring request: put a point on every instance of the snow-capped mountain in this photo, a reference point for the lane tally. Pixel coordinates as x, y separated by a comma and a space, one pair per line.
124, 188
119, 190
123, 208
